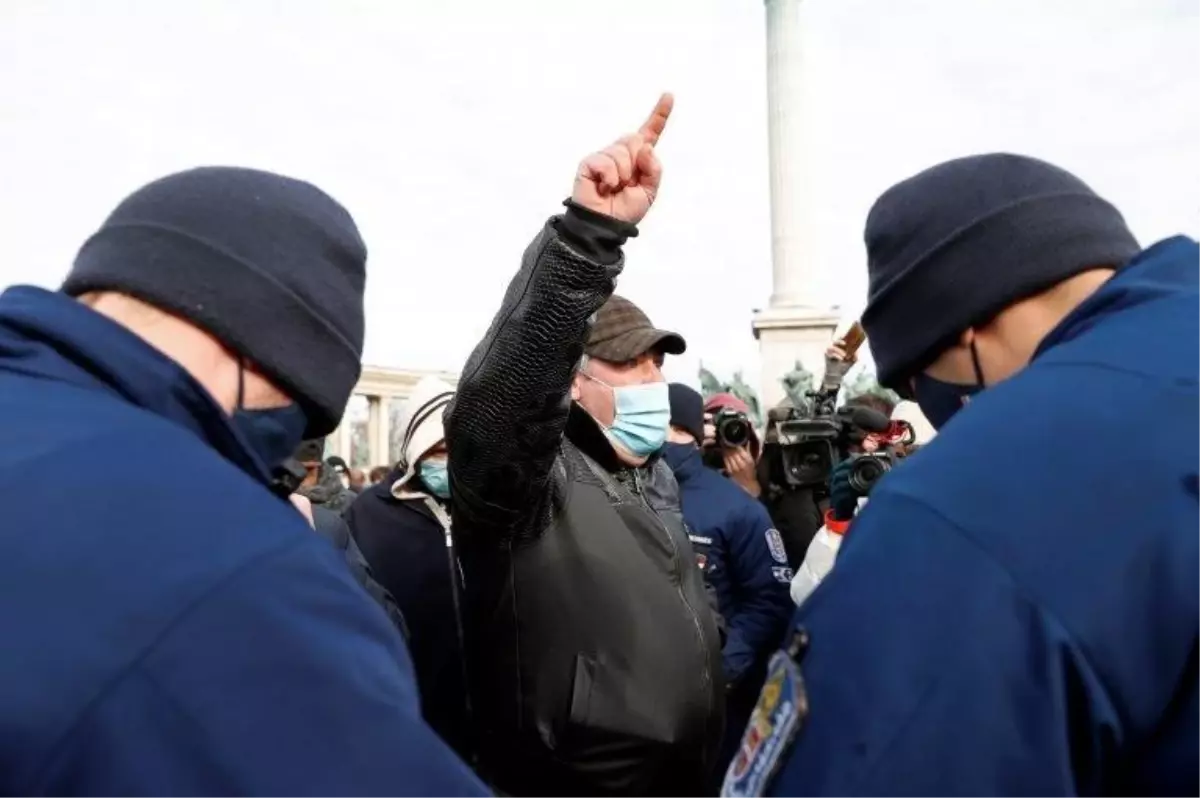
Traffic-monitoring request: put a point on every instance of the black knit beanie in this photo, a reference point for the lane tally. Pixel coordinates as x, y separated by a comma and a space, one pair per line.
687, 410
270, 266
951, 247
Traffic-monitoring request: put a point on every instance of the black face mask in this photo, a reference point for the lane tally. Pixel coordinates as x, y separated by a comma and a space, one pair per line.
272, 434
939, 400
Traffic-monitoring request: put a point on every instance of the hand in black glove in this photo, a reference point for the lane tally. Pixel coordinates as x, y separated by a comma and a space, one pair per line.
843, 499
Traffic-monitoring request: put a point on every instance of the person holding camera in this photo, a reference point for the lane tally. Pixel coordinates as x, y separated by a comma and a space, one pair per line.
798, 511
1016, 610
741, 554
730, 443
848, 489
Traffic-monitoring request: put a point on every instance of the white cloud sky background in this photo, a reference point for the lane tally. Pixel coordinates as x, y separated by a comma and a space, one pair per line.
451, 130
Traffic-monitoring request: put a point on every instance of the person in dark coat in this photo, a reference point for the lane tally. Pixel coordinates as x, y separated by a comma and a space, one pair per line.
594, 654
1016, 609
333, 528
322, 485
743, 558
202, 640
397, 524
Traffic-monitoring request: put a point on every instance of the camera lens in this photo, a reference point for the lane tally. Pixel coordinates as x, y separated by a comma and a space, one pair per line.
735, 432
866, 472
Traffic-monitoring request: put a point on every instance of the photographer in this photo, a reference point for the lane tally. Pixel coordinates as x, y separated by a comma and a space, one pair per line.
798, 510
847, 492
730, 444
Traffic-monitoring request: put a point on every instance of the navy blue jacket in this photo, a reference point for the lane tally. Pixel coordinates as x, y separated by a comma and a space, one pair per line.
743, 557
170, 626
1015, 611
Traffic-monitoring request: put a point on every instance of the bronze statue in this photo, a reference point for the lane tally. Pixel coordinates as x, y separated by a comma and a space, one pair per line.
796, 384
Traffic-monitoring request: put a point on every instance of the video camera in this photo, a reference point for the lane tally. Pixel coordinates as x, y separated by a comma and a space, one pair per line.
803, 445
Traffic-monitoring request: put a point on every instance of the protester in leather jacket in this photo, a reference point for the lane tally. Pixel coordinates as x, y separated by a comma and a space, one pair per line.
594, 657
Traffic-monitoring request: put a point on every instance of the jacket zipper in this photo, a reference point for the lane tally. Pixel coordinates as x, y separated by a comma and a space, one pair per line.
707, 675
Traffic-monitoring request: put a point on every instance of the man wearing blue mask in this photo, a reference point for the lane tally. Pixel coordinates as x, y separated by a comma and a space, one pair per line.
1015, 611
595, 658
201, 638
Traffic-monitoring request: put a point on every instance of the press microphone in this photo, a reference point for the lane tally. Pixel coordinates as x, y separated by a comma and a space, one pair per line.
869, 419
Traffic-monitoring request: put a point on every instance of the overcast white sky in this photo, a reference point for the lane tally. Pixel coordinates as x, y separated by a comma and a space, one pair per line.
452, 129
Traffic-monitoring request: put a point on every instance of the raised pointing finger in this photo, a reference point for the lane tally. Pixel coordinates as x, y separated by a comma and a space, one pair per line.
654, 125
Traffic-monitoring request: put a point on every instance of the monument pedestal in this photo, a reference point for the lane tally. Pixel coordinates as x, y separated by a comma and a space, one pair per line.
787, 334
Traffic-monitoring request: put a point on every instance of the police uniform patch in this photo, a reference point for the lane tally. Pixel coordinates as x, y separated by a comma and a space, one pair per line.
775, 544
781, 709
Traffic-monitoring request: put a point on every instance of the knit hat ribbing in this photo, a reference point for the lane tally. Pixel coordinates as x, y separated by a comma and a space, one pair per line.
272, 267
954, 245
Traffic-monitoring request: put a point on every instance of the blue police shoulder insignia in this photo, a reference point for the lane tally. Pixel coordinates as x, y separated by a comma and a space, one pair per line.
775, 544
781, 709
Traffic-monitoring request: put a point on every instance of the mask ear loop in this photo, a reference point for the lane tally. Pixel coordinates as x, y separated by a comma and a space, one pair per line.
241, 393
978, 369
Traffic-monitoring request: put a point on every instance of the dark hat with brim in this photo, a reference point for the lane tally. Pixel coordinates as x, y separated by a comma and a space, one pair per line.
621, 332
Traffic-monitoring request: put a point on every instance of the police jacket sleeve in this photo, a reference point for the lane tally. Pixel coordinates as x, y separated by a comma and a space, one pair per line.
930, 672
756, 567
285, 680
505, 424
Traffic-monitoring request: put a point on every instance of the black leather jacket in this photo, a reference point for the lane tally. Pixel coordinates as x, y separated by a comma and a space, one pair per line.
595, 659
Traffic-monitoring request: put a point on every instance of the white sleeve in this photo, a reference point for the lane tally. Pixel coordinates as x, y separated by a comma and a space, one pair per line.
818, 562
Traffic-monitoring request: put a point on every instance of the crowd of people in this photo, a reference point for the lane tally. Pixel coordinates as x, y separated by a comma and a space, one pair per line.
572, 581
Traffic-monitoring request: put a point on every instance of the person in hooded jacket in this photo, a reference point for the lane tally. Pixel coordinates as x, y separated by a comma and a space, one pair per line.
399, 526
203, 640
1016, 609
742, 556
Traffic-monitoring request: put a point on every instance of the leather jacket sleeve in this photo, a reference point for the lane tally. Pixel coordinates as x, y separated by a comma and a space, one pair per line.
505, 424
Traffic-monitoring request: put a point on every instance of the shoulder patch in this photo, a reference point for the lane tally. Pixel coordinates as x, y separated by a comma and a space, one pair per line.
775, 544
781, 708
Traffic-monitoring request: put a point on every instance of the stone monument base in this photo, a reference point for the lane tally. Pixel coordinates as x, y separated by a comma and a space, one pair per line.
789, 333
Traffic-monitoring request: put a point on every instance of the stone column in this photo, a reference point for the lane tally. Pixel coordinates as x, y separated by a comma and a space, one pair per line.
377, 431
341, 440
797, 326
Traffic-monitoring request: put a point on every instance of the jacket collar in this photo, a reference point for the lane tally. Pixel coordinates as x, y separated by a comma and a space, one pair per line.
52, 336
1161, 270
684, 459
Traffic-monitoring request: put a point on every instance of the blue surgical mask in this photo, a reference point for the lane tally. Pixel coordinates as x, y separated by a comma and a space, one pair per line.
642, 414
939, 400
272, 434
436, 477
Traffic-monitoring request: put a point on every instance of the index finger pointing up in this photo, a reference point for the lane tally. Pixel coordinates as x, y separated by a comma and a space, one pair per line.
653, 127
